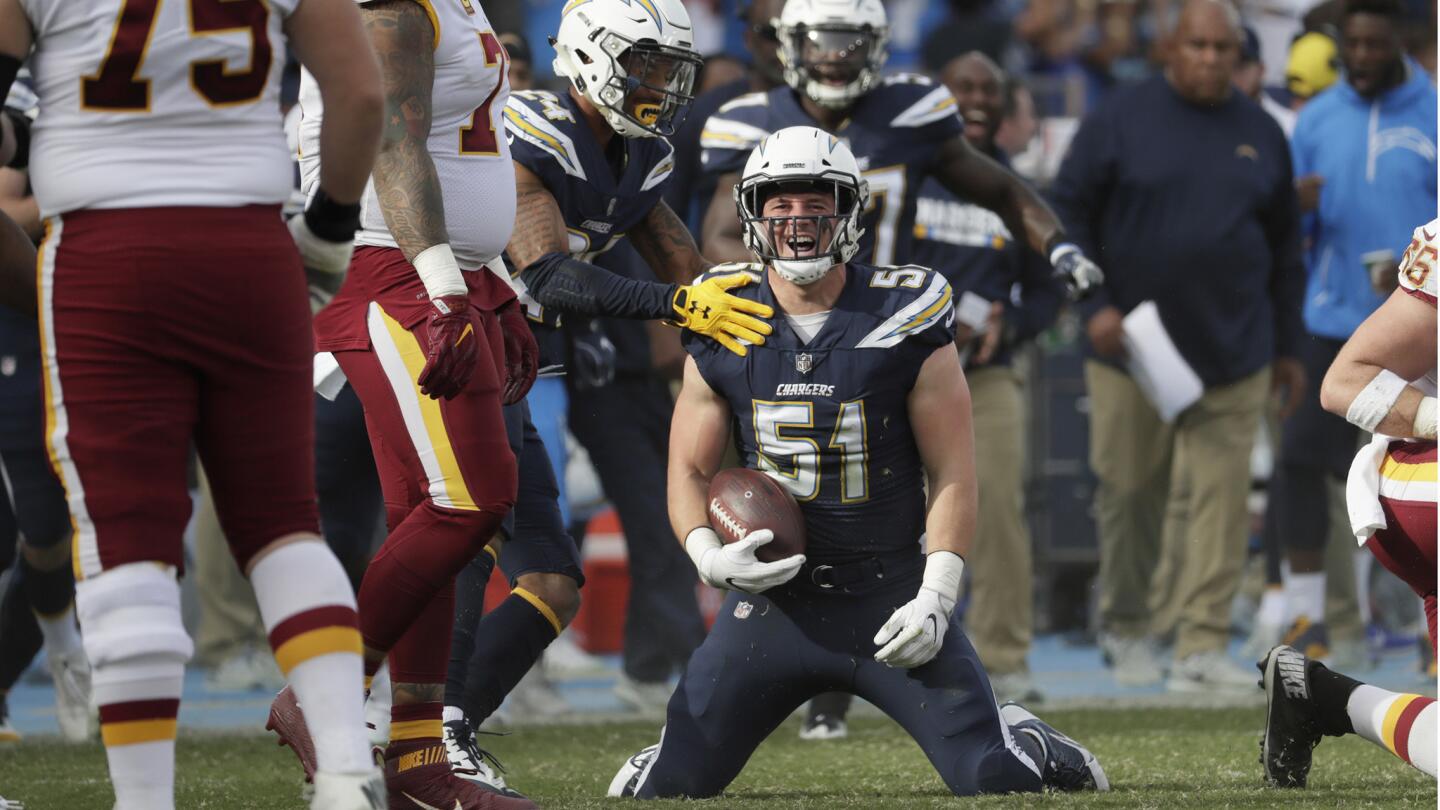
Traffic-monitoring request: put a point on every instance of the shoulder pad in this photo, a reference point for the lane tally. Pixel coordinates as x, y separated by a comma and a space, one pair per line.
1417, 266
536, 117
921, 299
908, 78
663, 168
761, 99
921, 103
739, 124
755, 270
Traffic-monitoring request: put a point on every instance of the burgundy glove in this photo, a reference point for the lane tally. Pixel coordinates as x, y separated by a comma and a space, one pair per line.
522, 355
453, 347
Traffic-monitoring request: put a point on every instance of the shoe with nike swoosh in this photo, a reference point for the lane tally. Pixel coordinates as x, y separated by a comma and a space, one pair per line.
418, 777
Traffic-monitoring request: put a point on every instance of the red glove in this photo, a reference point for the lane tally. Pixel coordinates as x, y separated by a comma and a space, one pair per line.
453, 347
522, 355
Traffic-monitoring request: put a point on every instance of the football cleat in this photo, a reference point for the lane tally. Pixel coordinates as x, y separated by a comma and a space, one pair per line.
1068, 764
1291, 727
1311, 639
79, 720
418, 777
349, 791
288, 723
824, 727
471, 762
627, 780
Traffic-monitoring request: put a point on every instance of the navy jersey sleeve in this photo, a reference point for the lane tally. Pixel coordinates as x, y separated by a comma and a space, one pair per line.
922, 106
540, 132
918, 306
732, 132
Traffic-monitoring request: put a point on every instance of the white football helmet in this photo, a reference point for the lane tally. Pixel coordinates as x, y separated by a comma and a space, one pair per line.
633, 59
833, 50
802, 159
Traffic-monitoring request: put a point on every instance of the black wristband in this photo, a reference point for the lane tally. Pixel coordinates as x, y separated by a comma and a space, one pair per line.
20, 124
331, 220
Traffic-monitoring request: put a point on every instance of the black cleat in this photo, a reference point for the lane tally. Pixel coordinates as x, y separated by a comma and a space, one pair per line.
1068, 765
1291, 728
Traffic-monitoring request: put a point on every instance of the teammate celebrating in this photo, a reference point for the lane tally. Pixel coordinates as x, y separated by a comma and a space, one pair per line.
884, 412
901, 129
432, 341
1383, 380
173, 311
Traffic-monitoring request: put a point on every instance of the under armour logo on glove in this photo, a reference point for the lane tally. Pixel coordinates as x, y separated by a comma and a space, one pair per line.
709, 309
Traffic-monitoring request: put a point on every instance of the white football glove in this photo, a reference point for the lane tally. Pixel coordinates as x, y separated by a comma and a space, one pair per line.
325, 261
734, 566
916, 631
1080, 274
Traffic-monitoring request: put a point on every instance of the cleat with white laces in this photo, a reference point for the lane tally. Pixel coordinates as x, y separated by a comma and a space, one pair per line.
627, 780
78, 717
824, 727
349, 791
1068, 764
472, 763
1291, 728
11, 804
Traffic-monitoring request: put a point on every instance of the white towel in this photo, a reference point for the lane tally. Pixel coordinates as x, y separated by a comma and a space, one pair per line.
1362, 489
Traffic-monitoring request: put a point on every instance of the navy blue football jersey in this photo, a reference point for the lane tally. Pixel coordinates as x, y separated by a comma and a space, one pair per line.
828, 418
894, 131
549, 137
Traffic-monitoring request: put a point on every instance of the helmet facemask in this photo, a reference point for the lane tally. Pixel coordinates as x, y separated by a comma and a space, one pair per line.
833, 64
801, 247
648, 88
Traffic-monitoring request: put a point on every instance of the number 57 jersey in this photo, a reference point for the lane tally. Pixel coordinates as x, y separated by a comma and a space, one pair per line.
895, 131
466, 140
145, 103
828, 418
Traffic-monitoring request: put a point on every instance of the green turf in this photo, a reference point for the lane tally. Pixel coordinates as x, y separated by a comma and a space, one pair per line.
1161, 758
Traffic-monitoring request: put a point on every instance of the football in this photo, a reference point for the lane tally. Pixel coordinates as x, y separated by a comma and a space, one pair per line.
744, 500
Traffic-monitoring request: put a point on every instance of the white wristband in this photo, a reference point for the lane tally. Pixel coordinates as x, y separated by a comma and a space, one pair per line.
1375, 400
700, 540
943, 572
439, 272
1425, 418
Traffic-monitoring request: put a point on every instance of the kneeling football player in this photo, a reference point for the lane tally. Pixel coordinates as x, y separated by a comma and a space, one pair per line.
853, 403
1383, 381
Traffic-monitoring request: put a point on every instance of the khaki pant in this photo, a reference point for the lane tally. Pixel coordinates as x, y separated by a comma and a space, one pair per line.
229, 615
1133, 454
999, 620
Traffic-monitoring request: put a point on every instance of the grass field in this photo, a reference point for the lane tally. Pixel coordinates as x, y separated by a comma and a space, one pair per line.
1161, 758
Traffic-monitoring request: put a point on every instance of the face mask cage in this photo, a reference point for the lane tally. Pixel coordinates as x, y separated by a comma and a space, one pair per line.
834, 57
830, 232
651, 85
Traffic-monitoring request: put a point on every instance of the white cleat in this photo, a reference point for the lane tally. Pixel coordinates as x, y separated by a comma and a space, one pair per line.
78, 717
349, 791
628, 779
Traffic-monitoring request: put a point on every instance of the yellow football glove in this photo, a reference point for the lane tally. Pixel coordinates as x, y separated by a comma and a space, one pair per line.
707, 309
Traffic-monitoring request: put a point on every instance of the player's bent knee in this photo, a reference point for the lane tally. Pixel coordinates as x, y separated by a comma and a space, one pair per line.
560, 593
131, 615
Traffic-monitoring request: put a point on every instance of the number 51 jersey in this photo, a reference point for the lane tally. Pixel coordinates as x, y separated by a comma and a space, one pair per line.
828, 418
895, 131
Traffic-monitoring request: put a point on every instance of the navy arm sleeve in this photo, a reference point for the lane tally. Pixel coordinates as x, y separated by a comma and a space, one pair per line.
1040, 298
575, 287
1080, 192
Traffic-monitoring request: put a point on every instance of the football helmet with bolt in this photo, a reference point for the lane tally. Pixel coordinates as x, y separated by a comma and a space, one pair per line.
634, 60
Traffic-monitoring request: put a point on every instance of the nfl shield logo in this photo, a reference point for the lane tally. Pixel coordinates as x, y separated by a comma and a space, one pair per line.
742, 610
804, 362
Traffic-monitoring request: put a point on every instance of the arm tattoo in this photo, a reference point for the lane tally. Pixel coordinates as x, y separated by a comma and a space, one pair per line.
543, 229
405, 177
667, 246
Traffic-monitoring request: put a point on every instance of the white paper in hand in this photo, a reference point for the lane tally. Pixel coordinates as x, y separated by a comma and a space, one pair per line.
1164, 376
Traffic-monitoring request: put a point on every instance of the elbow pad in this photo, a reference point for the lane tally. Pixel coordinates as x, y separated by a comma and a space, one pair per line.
574, 287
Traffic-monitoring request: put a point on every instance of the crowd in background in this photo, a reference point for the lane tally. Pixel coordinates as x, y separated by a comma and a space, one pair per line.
1260, 267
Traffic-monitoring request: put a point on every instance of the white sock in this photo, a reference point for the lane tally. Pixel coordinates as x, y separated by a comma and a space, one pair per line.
1272, 606
60, 631
451, 714
1400, 723
1305, 596
143, 775
309, 611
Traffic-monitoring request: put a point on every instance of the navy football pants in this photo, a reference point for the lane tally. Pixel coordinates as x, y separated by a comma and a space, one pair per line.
767, 656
